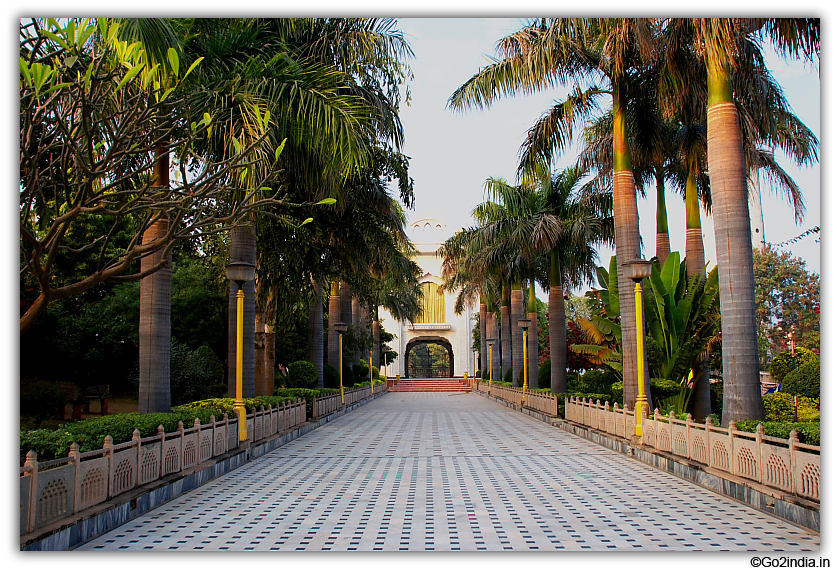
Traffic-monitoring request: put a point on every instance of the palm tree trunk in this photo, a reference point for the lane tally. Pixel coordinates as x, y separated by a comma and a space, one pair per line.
516, 313
376, 352
627, 245
243, 246
315, 331
695, 253
270, 354
727, 170
505, 362
533, 339
259, 344
356, 312
155, 311
557, 328
482, 328
334, 317
663, 240
365, 333
695, 264
493, 332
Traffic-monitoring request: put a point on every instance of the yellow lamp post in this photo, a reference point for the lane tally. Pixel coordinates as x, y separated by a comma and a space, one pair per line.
341, 328
240, 272
638, 270
490, 342
524, 324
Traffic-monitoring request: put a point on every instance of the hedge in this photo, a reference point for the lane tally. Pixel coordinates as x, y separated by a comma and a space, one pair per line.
809, 432
302, 374
779, 407
804, 380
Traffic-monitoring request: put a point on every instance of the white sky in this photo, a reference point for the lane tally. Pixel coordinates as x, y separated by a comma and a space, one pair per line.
452, 154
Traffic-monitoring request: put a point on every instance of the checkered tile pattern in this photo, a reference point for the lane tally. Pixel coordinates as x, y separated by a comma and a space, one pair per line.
425, 471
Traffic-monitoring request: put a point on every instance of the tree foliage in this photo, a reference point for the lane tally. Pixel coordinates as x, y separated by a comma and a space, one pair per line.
787, 300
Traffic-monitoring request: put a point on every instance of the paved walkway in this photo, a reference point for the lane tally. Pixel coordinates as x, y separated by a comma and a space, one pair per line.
417, 471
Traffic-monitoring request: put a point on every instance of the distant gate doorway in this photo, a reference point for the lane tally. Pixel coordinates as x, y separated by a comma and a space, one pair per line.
429, 357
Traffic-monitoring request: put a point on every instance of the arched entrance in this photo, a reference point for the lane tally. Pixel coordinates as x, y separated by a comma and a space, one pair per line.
429, 357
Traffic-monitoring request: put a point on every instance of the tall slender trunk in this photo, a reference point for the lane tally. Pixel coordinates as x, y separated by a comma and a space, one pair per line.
356, 315
482, 329
259, 343
270, 352
365, 334
695, 263
505, 336
516, 313
627, 244
334, 317
377, 357
243, 246
533, 339
315, 331
663, 239
695, 253
155, 311
727, 170
493, 332
557, 327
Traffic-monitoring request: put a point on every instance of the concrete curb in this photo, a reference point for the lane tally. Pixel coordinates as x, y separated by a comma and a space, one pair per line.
787, 507
106, 516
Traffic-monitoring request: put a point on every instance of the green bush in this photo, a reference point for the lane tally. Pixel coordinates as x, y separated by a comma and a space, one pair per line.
331, 377
302, 374
779, 407
544, 375
90, 434
784, 362
307, 394
804, 380
659, 388
42, 401
809, 432
617, 392
716, 397
600, 381
509, 375
561, 399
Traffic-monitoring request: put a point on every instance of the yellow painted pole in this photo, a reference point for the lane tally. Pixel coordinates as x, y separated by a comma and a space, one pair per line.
641, 397
239, 403
525, 369
341, 367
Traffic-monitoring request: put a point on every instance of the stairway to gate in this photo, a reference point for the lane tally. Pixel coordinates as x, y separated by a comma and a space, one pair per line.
430, 385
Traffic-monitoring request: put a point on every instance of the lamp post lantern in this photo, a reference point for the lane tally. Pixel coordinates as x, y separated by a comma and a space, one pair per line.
524, 324
341, 328
638, 271
240, 272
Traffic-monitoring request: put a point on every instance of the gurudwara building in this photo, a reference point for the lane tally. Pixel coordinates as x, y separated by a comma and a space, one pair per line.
439, 342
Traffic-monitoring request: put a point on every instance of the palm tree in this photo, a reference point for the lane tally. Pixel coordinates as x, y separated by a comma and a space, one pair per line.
725, 45
547, 52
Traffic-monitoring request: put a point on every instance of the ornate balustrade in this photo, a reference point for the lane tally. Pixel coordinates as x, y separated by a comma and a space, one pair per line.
325, 405
784, 464
56, 489
541, 402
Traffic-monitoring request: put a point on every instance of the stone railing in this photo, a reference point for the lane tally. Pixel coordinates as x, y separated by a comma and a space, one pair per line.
784, 464
325, 405
56, 489
544, 403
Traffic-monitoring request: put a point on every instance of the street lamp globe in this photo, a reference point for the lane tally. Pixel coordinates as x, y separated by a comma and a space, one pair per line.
240, 272
638, 269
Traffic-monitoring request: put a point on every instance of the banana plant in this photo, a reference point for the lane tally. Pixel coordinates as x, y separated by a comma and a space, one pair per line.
682, 315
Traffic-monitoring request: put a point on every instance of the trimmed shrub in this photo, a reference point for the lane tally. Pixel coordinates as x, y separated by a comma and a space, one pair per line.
779, 407
544, 376
600, 381
660, 389
361, 373
509, 375
809, 432
302, 374
331, 377
784, 363
804, 380
617, 392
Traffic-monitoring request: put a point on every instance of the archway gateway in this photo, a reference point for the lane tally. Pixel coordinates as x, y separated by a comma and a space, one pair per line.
429, 357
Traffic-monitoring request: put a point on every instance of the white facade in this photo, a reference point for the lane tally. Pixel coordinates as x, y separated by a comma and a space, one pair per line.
427, 234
